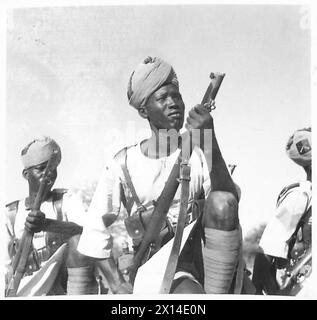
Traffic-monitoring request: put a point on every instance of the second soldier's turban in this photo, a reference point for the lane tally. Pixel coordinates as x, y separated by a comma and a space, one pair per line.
149, 76
39, 151
299, 147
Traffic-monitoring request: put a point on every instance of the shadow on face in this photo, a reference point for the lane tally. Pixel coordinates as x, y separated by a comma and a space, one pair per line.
165, 108
35, 174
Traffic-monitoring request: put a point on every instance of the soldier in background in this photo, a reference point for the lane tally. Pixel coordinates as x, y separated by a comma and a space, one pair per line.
287, 237
66, 270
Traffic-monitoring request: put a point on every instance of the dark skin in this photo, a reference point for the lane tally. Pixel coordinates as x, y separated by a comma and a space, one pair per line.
34, 174
35, 219
165, 112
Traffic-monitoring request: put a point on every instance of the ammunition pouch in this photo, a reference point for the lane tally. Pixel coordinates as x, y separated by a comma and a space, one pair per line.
37, 256
135, 226
137, 222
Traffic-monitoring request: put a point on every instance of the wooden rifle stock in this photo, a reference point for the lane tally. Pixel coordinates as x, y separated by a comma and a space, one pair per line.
67, 228
20, 260
164, 201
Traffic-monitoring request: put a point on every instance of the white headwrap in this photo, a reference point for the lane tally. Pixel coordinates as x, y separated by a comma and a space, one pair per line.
149, 76
298, 147
39, 151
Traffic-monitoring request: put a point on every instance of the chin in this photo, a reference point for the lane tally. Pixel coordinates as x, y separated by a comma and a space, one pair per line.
177, 125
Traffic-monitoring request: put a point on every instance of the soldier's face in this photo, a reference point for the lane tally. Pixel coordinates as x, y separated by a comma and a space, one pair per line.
35, 174
165, 108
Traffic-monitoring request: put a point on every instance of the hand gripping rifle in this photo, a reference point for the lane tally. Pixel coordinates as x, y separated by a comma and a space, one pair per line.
180, 173
20, 259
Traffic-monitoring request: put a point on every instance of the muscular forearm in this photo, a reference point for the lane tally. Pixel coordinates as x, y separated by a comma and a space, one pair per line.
220, 177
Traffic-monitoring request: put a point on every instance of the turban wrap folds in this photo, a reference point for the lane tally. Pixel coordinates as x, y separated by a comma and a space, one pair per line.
298, 147
39, 151
149, 76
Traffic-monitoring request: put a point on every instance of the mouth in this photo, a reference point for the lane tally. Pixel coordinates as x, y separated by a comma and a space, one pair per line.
175, 115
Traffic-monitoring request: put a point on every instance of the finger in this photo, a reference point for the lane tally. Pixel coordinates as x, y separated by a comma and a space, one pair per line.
193, 123
34, 219
194, 114
36, 214
31, 220
200, 109
29, 227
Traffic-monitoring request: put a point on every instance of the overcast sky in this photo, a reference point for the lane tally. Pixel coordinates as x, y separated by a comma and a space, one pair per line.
68, 68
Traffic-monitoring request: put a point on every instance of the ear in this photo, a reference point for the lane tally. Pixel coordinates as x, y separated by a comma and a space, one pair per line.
25, 174
142, 112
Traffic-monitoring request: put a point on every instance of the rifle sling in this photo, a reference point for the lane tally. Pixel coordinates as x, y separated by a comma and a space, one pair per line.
292, 239
174, 255
121, 157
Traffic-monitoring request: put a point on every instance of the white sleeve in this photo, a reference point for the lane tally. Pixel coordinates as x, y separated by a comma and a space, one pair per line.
73, 208
96, 240
283, 224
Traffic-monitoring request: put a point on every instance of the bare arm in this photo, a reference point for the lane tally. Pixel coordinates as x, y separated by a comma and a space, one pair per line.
219, 175
200, 118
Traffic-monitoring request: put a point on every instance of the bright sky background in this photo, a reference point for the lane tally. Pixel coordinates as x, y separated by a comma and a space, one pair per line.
68, 68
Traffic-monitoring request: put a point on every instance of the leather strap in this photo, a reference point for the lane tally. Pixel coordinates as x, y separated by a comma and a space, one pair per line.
58, 204
184, 179
282, 194
11, 212
121, 157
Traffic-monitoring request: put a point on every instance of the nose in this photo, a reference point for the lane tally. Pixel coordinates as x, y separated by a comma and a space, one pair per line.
170, 101
48, 177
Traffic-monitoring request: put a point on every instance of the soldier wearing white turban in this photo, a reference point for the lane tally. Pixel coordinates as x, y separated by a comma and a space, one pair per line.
149, 75
153, 89
45, 272
288, 232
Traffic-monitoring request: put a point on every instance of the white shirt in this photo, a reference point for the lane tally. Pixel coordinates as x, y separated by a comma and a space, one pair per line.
286, 217
72, 210
148, 177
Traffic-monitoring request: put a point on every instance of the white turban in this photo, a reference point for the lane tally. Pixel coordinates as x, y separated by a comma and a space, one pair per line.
298, 147
149, 76
39, 151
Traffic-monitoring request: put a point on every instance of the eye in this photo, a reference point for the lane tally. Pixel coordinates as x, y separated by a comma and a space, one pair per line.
39, 169
177, 96
161, 98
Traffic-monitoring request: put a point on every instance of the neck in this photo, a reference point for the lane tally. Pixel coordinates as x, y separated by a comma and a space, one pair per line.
161, 143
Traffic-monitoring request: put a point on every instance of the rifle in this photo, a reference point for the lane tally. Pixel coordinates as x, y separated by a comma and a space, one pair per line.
150, 239
299, 270
20, 260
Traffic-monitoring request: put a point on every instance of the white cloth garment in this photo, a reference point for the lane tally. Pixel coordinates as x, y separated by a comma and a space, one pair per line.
72, 210
286, 217
148, 177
